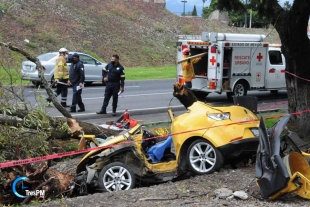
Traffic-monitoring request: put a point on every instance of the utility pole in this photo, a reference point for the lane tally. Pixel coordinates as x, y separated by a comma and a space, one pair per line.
184, 7
245, 16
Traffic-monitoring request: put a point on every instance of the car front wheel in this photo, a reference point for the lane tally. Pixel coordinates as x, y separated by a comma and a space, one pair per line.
203, 157
116, 176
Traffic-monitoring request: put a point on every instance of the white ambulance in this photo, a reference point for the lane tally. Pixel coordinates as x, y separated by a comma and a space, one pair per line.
233, 63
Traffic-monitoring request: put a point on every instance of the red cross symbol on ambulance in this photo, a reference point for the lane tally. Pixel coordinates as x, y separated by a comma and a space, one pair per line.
259, 57
212, 60
258, 74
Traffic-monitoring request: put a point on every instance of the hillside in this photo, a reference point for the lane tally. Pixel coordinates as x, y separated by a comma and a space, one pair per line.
142, 33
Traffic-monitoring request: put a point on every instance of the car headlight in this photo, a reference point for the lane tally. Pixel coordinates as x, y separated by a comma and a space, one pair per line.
219, 116
255, 131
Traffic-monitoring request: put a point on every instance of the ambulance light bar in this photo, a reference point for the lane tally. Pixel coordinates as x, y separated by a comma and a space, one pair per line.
198, 43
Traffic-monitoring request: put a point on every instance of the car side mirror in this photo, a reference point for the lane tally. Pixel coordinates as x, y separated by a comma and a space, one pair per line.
98, 63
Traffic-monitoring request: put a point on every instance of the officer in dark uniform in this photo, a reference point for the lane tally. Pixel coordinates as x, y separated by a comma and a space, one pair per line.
114, 76
76, 79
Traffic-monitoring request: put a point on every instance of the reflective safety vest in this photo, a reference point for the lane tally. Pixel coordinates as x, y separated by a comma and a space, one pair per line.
61, 68
188, 69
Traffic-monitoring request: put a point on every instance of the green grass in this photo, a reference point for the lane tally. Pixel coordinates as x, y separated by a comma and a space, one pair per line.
135, 73
271, 118
150, 73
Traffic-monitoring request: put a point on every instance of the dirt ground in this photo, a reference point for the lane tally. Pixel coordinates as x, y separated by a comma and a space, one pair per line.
189, 192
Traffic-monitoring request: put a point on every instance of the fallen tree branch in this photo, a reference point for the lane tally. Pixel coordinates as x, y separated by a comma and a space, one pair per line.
49, 91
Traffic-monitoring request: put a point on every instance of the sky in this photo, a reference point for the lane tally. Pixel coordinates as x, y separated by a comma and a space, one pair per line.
177, 6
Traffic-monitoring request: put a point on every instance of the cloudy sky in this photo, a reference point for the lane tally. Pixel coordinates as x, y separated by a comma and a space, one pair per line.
177, 6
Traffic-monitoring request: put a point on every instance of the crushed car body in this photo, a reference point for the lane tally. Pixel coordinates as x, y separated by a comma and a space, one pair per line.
201, 140
281, 166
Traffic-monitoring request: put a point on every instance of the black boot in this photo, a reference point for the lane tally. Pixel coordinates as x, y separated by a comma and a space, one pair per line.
64, 104
72, 110
102, 111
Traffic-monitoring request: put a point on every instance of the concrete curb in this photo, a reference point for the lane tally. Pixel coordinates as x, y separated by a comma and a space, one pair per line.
133, 112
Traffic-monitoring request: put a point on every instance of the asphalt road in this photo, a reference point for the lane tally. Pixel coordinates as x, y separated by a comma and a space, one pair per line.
147, 100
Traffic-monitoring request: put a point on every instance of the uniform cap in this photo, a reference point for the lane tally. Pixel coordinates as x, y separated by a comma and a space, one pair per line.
76, 55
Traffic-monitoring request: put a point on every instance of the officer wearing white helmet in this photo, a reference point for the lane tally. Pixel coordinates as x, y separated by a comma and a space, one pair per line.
61, 77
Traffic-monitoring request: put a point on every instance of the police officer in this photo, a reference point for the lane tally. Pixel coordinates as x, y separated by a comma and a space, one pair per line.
61, 76
76, 79
114, 76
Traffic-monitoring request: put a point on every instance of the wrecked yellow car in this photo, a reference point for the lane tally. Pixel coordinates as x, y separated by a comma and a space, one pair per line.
281, 166
201, 140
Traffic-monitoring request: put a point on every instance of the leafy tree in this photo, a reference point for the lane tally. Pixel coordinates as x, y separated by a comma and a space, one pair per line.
206, 11
291, 25
287, 5
194, 12
203, 3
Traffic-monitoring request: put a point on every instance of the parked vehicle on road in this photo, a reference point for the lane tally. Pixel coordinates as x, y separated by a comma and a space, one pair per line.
93, 68
201, 141
232, 63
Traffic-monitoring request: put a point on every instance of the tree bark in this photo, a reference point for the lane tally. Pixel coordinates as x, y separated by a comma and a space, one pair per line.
292, 28
291, 25
184, 94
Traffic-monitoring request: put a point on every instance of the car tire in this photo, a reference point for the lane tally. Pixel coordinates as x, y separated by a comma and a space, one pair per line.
274, 91
109, 179
37, 84
203, 157
88, 83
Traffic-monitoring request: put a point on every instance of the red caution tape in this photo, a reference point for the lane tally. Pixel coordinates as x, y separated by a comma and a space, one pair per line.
297, 76
65, 154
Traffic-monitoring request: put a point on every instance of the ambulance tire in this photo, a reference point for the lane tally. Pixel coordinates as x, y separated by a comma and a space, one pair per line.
240, 89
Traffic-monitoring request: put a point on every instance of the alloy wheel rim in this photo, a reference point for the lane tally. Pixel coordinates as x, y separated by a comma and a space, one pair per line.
202, 157
117, 178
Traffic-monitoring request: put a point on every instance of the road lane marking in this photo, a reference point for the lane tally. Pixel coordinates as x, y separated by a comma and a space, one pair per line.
121, 96
85, 88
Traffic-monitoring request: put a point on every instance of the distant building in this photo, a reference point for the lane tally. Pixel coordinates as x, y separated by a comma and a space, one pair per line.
219, 16
161, 2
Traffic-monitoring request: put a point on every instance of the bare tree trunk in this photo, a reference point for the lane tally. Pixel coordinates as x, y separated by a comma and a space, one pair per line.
291, 26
